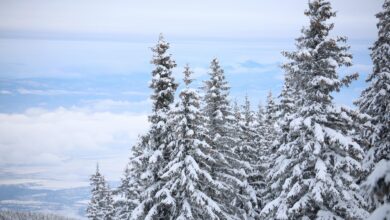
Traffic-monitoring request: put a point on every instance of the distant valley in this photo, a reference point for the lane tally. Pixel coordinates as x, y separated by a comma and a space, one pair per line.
28, 197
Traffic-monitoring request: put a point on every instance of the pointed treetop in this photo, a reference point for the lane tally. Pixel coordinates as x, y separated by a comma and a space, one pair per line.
162, 83
383, 24
236, 110
97, 167
187, 75
247, 111
161, 37
159, 56
247, 104
384, 16
161, 40
319, 11
270, 98
215, 66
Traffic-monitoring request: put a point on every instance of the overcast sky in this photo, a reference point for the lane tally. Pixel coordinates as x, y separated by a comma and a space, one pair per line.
74, 74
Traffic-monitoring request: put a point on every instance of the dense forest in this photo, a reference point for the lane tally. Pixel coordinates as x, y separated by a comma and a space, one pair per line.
299, 156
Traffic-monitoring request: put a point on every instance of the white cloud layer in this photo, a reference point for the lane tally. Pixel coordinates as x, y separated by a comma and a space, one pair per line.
53, 92
117, 105
5, 92
65, 144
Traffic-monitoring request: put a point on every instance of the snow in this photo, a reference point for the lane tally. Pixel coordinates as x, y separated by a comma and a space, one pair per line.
154, 158
294, 124
317, 148
137, 212
318, 132
382, 92
304, 52
324, 80
205, 167
347, 60
150, 216
336, 136
332, 62
173, 169
381, 170
327, 215
190, 133
381, 213
282, 212
321, 170
270, 206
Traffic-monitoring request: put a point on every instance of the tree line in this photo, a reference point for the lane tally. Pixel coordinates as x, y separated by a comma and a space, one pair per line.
298, 157
23, 215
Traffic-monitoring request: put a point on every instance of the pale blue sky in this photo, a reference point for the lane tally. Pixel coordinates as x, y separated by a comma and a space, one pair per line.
74, 74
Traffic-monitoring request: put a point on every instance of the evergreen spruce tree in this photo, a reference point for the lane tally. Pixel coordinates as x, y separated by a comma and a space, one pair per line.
287, 97
237, 112
262, 165
318, 162
110, 208
261, 128
284, 115
132, 183
101, 205
270, 137
188, 173
250, 151
230, 171
375, 102
287, 107
155, 203
247, 149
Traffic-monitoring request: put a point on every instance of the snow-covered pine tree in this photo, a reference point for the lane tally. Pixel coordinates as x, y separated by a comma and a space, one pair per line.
287, 106
247, 114
262, 164
285, 110
318, 163
249, 150
110, 208
156, 150
236, 111
282, 118
132, 184
220, 123
375, 102
268, 145
287, 98
271, 132
101, 205
261, 128
187, 174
